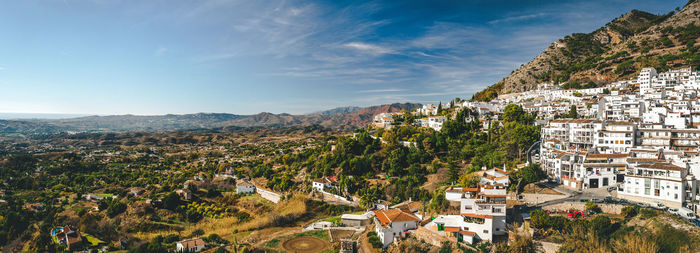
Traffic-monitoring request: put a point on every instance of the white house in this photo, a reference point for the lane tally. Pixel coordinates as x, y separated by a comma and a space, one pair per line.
243, 186
185, 194
435, 122
322, 184
190, 245
393, 223
482, 215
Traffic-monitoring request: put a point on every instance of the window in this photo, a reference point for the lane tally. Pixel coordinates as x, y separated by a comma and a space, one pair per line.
486, 231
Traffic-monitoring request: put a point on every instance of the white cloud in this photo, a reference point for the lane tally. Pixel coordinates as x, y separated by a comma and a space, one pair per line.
517, 18
381, 90
369, 48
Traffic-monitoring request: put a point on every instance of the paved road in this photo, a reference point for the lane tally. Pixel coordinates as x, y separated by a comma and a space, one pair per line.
574, 195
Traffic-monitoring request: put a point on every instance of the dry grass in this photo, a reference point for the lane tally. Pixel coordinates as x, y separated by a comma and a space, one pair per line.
285, 211
635, 243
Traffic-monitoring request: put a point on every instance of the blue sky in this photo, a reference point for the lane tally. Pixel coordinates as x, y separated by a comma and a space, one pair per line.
245, 57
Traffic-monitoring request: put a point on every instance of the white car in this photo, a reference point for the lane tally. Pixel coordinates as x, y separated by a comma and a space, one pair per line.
686, 213
673, 211
658, 205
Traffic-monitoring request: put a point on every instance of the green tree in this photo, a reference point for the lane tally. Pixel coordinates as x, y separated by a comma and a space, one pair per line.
171, 201
590, 205
629, 211
531, 173
115, 208
539, 219
452, 172
513, 113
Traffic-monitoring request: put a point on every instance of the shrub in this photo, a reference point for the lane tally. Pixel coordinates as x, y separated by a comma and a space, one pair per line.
215, 238
374, 240
590, 205
539, 219
171, 238
602, 226
629, 211
115, 208
647, 213
197, 232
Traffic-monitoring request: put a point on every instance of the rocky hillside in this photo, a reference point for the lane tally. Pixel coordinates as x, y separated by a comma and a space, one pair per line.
616, 51
346, 118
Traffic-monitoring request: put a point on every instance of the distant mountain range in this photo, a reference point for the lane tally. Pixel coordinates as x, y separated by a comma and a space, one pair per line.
614, 52
343, 118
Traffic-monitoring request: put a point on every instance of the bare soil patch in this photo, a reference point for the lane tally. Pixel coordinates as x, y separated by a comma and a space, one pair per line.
304, 244
535, 188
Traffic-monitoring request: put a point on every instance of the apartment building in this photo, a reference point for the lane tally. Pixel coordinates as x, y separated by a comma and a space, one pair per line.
662, 182
482, 214
615, 137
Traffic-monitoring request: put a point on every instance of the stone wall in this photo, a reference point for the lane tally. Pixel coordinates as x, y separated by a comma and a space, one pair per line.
431, 237
271, 196
563, 207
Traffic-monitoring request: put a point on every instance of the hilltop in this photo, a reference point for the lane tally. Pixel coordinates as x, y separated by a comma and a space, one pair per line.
344, 118
616, 51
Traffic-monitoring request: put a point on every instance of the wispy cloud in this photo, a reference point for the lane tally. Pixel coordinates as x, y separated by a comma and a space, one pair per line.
517, 18
381, 90
369, 48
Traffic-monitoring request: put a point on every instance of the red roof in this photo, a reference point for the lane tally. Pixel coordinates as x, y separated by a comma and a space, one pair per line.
465, 232
478, 216
394, 215
452, 229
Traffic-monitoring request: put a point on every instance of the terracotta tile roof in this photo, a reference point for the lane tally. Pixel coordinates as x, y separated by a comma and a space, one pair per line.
661, 166
465, 232
452, 229
477, 216
409, 206
394, 215
463, 190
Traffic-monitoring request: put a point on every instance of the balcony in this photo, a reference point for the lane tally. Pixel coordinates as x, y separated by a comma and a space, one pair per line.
474, 220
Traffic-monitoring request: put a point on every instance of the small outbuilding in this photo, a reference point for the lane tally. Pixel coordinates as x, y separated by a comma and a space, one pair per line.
355, 220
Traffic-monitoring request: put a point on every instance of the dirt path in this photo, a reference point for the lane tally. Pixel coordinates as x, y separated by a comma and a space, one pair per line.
257, 238
365, 247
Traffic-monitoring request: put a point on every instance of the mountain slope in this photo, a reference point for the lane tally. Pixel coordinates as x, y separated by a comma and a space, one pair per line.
339, 118
616, 51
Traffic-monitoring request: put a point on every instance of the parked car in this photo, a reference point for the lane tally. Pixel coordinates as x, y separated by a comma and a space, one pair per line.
583, 200
612, 188
609, 200
596, 200
673, 211
696, 222
643, 205
624, 202
686, 213
658, 205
